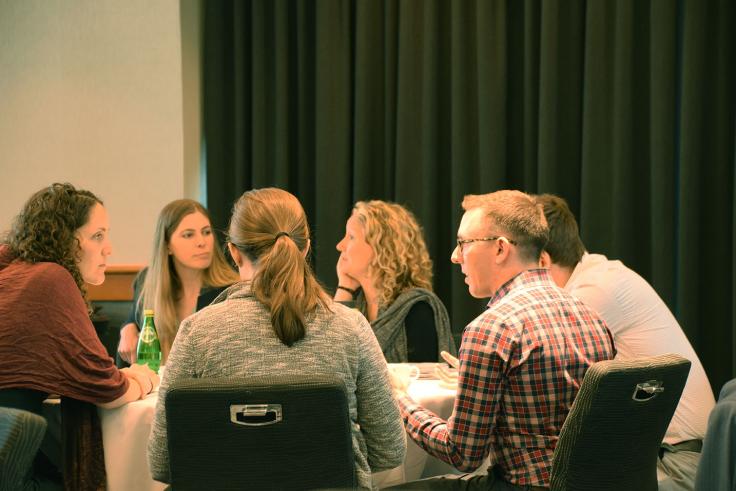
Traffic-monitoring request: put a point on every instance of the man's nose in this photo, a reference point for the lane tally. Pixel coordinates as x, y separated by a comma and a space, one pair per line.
456, 256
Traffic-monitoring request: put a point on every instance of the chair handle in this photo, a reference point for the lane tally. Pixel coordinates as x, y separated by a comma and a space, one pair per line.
255, 414
648, 390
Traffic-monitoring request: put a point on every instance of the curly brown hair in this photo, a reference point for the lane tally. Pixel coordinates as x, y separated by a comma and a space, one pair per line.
400, 257
45, 229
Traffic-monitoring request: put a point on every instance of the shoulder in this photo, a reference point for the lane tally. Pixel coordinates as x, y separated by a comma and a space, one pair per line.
420, 310
209, 294
348, 316
596, 270
345, 326
139, 280
50, 277
44, 284
416, 295
141, 276
606, 284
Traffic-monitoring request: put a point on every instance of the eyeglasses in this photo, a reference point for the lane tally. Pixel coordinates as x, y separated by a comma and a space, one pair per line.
462, 242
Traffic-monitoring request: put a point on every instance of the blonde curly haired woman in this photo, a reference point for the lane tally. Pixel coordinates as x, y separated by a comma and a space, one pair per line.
384, 267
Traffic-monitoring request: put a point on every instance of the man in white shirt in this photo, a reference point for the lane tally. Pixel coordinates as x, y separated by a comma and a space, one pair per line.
641, 325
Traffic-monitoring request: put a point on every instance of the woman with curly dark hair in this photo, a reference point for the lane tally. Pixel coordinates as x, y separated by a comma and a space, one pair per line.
48, 344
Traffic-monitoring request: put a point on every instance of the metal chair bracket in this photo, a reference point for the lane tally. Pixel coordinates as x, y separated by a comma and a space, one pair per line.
255, 414
648, 390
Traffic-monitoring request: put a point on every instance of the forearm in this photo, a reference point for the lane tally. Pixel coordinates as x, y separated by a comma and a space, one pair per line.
132, 394
141, 382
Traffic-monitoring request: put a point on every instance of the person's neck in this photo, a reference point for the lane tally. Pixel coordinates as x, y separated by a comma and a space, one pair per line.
246, 270
191, 280
511, 271
371, 293
560, 274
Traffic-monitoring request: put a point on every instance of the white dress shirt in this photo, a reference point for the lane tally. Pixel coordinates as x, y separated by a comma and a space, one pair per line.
642, 325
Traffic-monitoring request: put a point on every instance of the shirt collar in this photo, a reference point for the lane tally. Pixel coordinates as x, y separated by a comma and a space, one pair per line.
240, 289
527, 278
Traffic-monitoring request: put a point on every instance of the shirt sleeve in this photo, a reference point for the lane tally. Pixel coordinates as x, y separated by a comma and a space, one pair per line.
134, 314
421, 333
464, 439
378, 415
74, 363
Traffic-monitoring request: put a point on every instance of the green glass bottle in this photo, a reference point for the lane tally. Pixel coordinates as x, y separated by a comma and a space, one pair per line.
149, 347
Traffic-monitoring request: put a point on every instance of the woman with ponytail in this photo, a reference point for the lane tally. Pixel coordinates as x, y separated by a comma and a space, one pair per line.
278, 319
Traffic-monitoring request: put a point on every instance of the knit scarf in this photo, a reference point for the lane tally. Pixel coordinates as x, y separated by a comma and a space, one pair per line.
390, 331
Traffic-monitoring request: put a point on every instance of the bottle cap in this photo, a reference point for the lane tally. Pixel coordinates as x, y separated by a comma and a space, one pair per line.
148, 313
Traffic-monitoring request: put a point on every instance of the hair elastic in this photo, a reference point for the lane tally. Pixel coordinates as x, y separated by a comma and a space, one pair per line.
280, 234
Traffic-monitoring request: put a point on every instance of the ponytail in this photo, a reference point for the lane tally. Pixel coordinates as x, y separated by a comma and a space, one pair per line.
284, 282
280, 284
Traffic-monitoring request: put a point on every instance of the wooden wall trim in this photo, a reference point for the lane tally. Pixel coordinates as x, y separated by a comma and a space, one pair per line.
118, 283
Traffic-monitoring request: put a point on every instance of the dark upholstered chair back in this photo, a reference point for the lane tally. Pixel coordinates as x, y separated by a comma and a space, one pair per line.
21, 433
260, 433
717, 468
611, 438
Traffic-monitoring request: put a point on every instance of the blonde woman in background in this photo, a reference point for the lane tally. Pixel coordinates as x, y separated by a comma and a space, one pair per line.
187, 271
278, 319
384, 267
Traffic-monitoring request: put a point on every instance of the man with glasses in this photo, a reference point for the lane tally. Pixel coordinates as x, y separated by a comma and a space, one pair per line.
641, 325
521, 361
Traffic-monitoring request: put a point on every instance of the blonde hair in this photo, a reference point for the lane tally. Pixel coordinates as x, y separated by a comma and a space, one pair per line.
162, 287
400, 258
270, 228
517, 214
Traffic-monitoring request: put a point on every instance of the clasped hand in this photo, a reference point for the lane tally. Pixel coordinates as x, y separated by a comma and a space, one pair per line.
146, 378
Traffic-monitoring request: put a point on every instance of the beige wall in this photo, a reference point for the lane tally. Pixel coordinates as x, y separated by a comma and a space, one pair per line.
92, 94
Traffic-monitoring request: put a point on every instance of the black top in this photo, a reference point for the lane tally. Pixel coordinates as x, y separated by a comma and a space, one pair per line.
206, 296
421, 335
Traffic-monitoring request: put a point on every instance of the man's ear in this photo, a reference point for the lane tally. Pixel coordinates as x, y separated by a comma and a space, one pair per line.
235, 253
503, 249
545, 261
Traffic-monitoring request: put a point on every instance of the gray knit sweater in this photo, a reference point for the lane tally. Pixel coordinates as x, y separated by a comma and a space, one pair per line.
234, 337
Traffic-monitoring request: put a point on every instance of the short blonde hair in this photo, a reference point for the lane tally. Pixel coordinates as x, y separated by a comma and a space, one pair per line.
400, 258
516, 214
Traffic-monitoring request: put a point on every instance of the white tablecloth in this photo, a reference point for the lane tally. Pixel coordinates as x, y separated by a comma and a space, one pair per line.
125, 433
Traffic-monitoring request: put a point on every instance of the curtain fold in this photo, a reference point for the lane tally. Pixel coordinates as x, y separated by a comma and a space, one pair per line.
625, 108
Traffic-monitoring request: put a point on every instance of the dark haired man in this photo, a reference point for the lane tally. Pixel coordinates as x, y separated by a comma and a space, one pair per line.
641, 325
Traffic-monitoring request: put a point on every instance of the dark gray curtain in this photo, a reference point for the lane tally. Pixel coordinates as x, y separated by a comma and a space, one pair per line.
626, 108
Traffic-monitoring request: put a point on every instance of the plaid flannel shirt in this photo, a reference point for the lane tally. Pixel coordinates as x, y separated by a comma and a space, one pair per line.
521, 364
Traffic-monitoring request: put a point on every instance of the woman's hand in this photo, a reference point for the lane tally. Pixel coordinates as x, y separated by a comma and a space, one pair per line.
128, 343
146, 378
345, 280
